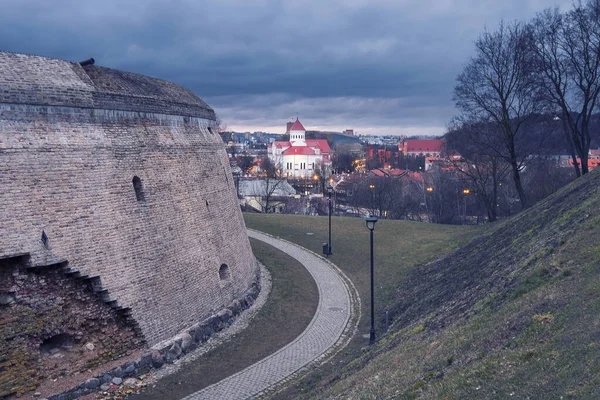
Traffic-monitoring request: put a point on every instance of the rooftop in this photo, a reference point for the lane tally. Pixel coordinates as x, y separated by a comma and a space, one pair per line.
297, 126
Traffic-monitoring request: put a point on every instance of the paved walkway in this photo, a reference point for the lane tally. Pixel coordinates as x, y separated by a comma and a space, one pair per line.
330, 329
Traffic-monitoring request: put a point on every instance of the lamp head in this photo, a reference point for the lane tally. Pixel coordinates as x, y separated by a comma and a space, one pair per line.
371, 220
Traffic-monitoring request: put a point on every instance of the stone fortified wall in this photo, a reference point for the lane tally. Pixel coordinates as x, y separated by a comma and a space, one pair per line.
122, 176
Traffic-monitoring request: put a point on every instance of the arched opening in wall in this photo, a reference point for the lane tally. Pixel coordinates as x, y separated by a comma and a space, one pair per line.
7, 298
56, 343
224, 273
138, 188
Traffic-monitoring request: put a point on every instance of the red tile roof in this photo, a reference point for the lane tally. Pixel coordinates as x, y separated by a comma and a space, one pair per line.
320, 143
388, 172
301, 150
280, 145
297, 126
592, 162
431, 145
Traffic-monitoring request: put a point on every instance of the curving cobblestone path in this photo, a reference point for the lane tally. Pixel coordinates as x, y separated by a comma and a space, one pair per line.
331, 328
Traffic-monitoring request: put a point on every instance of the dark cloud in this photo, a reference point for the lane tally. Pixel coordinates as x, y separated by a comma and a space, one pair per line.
379, 66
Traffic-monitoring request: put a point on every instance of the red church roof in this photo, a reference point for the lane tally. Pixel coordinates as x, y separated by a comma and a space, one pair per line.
300, 150
320, 143
280, 145
297, 126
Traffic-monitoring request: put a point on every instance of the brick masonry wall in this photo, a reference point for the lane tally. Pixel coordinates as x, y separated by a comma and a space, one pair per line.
68, 171
39, 306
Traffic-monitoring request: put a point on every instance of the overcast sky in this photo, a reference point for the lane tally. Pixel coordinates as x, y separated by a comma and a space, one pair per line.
376, 66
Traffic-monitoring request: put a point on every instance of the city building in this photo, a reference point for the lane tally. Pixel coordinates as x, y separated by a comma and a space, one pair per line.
421, 147
300, 157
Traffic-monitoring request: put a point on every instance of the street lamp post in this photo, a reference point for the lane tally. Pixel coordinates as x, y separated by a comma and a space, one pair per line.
329, 190
371, 220
466, 192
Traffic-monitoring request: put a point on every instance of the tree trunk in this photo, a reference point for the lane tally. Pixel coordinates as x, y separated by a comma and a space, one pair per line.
493, 210
518, 186
570, 144
585, 144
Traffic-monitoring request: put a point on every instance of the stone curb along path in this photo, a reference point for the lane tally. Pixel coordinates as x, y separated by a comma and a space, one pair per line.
332, 327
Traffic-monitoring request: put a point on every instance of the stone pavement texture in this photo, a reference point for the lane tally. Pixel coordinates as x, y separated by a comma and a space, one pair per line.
330, 329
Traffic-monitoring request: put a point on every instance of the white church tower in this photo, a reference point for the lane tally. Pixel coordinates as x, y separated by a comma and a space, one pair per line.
297, 134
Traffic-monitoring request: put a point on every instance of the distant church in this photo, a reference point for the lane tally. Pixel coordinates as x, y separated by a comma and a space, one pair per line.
299, 157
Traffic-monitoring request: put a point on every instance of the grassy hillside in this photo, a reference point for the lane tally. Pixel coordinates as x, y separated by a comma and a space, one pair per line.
515, 313
399, 247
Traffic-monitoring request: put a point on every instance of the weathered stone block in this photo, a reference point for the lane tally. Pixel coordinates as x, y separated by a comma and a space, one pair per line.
92, 383
129, 368
117, 372
173, 354
186, 341
145, 363
157, 359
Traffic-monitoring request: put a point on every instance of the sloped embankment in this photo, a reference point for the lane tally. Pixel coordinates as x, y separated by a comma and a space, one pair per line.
515, 312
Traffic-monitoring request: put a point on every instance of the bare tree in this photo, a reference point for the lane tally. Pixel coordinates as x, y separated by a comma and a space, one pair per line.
497, 86
295, 206
343, 161
443, 195
246, 163
479, 164
545, 176
322, 174
567, 49
380, 193
217, 126
272, 181
382, 196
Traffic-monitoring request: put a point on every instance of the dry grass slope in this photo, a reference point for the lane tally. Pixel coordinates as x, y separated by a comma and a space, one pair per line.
515, 313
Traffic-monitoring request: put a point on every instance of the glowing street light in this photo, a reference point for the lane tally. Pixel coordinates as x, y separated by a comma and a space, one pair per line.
466, 192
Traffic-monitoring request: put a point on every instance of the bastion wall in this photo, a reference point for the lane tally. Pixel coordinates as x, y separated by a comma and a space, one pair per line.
122, 176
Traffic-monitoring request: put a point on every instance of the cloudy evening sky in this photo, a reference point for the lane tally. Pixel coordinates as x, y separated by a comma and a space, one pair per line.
377, 66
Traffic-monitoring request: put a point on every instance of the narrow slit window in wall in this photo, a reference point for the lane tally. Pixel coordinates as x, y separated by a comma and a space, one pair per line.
139, 189
45, 239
